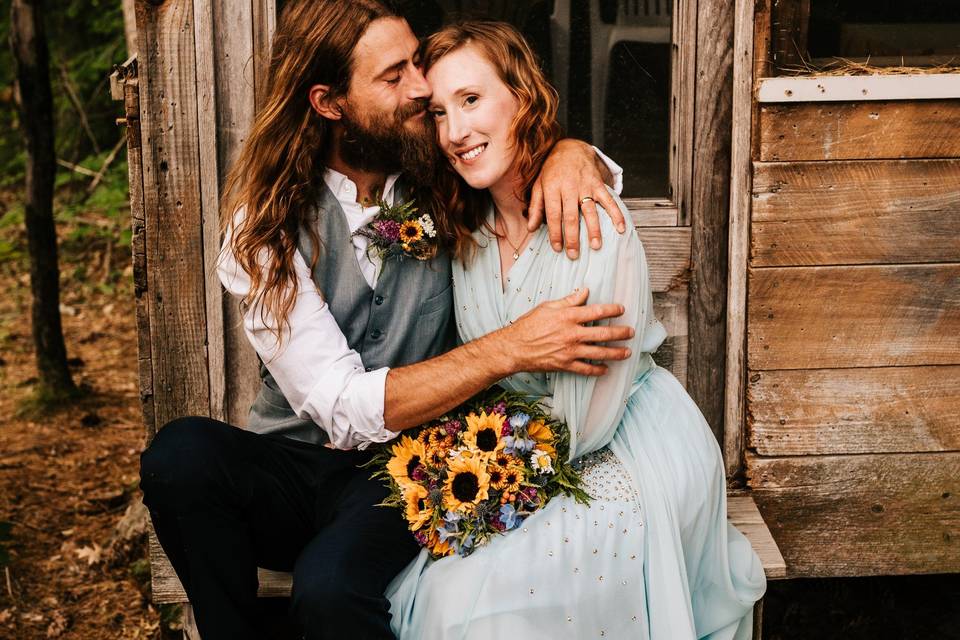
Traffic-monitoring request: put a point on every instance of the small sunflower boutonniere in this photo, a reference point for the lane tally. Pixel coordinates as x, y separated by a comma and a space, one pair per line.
401, 227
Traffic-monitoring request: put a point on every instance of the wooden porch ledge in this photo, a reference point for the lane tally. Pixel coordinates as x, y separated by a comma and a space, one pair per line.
741, 511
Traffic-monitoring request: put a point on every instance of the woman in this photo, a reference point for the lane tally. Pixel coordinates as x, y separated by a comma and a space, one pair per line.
652, 555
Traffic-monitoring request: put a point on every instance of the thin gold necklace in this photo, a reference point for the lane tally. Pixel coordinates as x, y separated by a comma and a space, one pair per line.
515, 247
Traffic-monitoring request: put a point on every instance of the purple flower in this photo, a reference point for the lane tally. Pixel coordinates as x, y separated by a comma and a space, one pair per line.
500, 407
419, 473
421, 537
506, 430
452, 428
388, 229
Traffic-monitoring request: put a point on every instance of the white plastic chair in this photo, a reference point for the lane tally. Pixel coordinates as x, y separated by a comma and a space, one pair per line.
637, 21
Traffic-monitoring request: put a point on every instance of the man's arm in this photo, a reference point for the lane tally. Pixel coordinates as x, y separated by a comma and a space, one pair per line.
574, 170
550, 337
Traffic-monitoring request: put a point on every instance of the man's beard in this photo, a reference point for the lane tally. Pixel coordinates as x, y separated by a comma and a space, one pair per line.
385, 144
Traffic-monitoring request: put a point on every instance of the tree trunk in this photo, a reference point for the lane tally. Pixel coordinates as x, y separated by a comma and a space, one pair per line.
130, 26
29, 44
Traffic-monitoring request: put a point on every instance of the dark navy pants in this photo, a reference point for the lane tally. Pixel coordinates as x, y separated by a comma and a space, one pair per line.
224, 501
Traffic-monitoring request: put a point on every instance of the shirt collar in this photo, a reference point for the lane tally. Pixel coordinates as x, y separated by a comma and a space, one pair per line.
345, 190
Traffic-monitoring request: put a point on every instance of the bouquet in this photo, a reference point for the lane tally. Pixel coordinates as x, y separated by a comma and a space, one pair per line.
478, 471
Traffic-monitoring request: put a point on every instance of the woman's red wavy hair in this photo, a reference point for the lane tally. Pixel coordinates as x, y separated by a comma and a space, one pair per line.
534, 129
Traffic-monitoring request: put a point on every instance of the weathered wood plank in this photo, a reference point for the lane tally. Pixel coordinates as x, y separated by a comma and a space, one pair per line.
668, 256
863, 514
860, 130
171, 187
742, 513
670, 308
739, 241
710, 202
883, 211
829, 411
683, 78
129, 88
858, 316
894, 86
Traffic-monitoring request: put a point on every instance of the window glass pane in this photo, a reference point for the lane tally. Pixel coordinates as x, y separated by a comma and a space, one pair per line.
579, 42
886, 30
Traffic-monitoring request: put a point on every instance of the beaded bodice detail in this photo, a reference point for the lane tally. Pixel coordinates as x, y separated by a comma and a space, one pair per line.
605, 478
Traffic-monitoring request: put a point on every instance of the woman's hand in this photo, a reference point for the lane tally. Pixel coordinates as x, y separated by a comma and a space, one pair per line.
570, 173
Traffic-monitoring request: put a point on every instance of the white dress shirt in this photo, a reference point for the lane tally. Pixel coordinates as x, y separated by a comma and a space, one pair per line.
318, 373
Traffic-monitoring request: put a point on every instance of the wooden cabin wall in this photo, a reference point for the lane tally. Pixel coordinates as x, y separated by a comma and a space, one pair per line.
853, 335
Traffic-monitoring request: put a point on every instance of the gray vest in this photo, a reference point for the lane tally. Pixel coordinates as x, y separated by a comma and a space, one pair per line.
405, 319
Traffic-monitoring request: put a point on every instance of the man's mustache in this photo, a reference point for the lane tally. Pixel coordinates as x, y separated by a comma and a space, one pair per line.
409, 110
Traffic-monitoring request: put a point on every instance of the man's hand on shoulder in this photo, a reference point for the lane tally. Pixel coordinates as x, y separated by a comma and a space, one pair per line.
573, 179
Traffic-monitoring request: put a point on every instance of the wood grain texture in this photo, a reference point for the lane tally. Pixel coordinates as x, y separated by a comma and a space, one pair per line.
742, 513
130, 89
863, 514
683, 59
855, 212
857, 316
831, 411
738, 238
710, 201
670, 308
668, 256
860, 130
173, 216
236, 33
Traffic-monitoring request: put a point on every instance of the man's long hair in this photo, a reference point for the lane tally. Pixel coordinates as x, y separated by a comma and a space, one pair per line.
278, 174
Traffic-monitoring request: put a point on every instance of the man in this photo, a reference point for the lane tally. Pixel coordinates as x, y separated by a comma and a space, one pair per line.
354, 348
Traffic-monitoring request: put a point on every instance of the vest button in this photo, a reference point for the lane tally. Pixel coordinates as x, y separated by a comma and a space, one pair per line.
375, 334
369, 369
378, 300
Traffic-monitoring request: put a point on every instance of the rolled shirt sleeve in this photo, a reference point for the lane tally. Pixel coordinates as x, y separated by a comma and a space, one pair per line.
320, 376
615, 169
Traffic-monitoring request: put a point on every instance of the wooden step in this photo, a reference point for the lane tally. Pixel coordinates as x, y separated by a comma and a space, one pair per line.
741, 511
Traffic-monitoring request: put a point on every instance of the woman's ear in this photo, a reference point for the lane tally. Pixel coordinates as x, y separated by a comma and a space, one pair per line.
323, 102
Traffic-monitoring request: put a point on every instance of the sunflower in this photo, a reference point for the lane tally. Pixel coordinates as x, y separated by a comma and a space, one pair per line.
512, 477
539, 432
410, 232
419, 505
483, 432
408, 454
467, 483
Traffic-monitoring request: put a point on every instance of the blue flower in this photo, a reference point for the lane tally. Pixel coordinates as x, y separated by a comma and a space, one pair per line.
519, 420
509, 517
517, 445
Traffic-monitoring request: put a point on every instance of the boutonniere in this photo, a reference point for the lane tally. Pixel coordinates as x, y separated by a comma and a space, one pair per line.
399, 227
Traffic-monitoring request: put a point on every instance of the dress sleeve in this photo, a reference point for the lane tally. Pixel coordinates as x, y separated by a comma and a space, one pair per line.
320, 376
617, 273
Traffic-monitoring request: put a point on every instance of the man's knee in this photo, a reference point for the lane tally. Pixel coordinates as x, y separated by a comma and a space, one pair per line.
332, 598
173, 465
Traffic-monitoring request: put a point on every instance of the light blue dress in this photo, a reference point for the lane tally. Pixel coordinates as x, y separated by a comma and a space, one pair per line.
652, 556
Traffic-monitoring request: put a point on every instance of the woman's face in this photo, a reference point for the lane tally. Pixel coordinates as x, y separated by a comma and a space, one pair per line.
473, 110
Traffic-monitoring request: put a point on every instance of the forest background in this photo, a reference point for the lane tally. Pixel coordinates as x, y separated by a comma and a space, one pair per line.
72, 528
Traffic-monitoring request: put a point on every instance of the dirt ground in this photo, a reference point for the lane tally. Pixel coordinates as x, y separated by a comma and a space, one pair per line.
69, 474
75, 533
